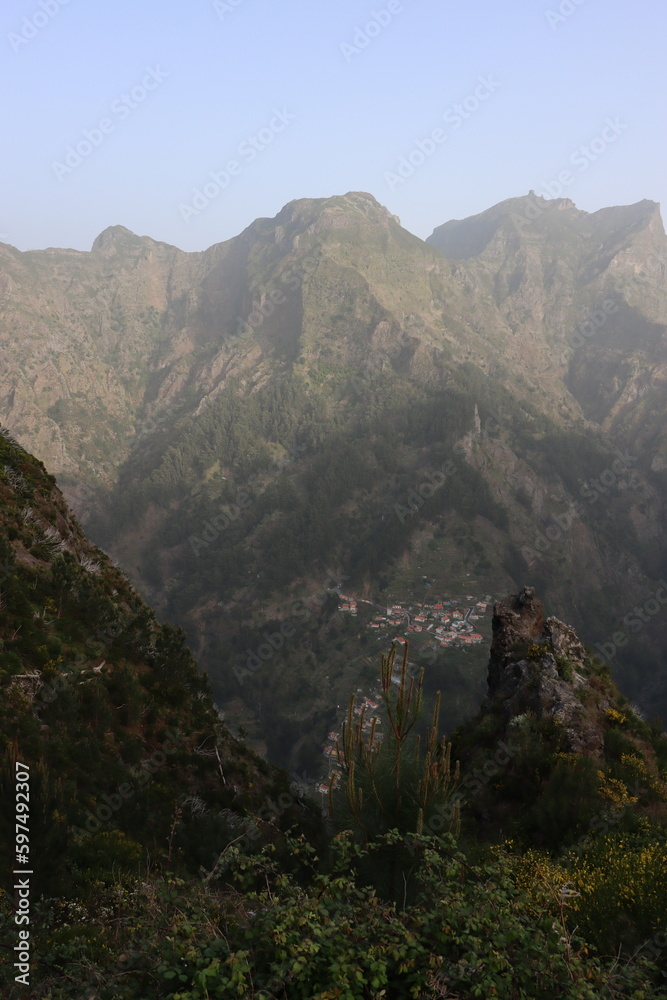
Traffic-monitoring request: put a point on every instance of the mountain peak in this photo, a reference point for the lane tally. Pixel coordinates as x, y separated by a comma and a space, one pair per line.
465, 238
643, 215
549, 218
116, 237
352, 203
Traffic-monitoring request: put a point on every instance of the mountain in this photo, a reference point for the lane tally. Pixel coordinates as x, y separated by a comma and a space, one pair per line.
126, 758
613, 353
328, 404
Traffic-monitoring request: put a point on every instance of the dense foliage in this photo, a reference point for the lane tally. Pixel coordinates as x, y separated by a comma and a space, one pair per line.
473, 930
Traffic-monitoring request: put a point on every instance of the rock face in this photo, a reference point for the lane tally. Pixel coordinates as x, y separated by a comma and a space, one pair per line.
518, 618
538, 666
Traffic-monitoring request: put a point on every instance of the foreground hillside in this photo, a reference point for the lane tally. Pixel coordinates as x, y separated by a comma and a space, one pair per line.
525, 859
129, 761
327, 401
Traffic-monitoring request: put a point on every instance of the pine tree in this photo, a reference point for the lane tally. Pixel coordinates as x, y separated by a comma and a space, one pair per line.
395, 782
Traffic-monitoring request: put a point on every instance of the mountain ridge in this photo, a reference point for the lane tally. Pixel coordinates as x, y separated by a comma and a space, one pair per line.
161, 386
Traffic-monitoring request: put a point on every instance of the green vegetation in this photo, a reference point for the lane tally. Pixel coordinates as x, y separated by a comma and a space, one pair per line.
256, 502
170, 863
256, 931
386, 906
256, 462
265, 490
391, 784
108, 707
255, 471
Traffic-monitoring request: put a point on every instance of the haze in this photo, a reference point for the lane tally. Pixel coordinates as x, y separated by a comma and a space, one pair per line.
120, 113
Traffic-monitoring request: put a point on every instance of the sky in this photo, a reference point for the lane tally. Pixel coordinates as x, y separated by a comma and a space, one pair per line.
185, 121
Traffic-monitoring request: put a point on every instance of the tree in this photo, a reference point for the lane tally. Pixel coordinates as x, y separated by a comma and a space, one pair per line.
395, 782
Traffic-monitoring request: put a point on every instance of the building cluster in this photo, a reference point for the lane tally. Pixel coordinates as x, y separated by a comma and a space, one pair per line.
448, 622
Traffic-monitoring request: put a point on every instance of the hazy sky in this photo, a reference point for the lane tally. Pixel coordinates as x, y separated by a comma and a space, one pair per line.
116, 113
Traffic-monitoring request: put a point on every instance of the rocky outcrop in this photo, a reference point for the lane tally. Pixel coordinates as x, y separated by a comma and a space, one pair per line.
517, 618
537, 666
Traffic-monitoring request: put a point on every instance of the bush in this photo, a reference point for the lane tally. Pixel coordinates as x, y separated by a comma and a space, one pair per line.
568, 802
622, 879
503, 929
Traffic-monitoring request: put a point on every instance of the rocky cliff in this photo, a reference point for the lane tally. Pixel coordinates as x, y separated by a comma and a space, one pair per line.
557, 755
540, 666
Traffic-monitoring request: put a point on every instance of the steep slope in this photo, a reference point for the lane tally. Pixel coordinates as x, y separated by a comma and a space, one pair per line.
404, 901
594, 289
127, 757
136, 329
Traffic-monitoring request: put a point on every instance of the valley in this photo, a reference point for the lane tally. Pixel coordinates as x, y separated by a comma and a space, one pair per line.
333, 502
328, 401
340, 461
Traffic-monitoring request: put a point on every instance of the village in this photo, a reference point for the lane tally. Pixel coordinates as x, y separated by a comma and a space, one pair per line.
445, 622
449, 622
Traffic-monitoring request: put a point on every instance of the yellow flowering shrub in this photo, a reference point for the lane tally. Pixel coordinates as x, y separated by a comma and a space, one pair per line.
622, 882
536, 652
641, 773
536, 874
614, 891
615, 791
